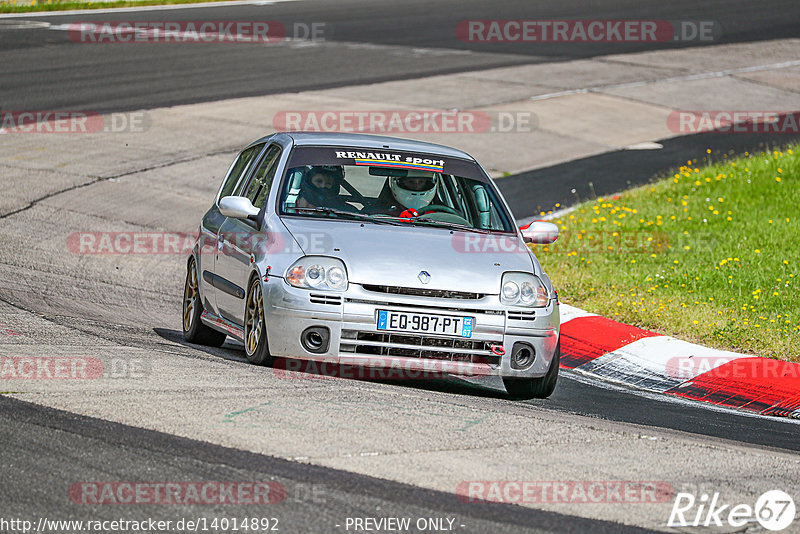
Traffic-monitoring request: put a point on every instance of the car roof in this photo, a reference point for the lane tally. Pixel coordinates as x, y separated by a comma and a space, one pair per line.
373, 142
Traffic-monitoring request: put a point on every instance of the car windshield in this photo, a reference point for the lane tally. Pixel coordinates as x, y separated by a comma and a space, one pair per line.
391, 188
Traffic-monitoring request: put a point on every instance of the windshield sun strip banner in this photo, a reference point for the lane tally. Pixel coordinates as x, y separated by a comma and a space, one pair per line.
316, 155
400, 164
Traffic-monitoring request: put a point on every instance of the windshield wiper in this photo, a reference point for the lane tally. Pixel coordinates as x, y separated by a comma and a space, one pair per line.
389, 219
445, 224
351, 214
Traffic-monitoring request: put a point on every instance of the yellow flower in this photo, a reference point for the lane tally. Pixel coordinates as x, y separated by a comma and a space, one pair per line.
757, 251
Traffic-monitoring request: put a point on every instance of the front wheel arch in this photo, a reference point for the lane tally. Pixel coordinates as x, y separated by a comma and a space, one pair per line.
256, 346
536, 388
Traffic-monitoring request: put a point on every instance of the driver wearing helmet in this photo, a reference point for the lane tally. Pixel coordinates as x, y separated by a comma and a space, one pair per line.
319, 187
414, 192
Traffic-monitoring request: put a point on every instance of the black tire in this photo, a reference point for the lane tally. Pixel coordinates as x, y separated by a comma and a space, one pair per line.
255, 328
535, 388
194, 331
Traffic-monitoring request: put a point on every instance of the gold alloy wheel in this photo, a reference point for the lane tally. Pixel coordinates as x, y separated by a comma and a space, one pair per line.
190, 296
254, 322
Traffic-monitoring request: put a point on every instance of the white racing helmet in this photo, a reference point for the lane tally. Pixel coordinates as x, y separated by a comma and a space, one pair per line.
415, 190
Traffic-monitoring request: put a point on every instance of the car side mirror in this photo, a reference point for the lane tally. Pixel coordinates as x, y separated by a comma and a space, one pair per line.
539, 232
238, 208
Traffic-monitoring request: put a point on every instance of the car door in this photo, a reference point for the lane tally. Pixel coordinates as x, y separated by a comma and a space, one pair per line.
236, 237
213, 220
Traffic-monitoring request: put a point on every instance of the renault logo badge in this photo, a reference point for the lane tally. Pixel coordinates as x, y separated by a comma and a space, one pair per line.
424, 277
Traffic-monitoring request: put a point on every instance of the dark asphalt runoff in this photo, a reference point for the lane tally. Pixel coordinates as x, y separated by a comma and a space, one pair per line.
46, 452
361, 42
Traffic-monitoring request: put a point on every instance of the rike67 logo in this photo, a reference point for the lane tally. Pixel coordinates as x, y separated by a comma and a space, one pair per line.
774, 510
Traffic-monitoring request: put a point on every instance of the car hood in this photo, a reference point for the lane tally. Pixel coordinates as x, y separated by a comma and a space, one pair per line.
395, 255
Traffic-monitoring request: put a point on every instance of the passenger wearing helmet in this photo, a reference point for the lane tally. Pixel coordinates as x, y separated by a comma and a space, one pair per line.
319, 187
414, 192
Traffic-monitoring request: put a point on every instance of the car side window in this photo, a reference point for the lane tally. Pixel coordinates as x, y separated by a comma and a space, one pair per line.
258, 188
238, 169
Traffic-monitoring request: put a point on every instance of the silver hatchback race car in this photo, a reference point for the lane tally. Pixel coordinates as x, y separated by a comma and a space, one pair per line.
373, 252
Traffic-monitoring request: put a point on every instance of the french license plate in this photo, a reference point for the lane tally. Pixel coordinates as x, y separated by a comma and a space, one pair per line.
446, 325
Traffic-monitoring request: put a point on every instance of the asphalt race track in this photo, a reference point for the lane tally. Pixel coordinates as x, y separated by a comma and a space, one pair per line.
364, 42
80, 447
340, 448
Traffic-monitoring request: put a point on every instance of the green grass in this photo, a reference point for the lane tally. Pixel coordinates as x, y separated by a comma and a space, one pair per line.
28, 6
709, 254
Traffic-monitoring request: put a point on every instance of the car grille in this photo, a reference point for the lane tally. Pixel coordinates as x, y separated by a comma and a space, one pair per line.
418, 292
427, 308
419, 346
321, 298
522, 316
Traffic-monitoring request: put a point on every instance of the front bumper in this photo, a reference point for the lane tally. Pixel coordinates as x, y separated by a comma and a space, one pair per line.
351, 318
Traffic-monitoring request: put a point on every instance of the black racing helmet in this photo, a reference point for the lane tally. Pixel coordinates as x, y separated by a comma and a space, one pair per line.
320, 194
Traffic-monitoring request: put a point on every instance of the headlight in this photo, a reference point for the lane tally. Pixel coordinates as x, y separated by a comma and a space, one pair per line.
523, 289
318, 272
510, 291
